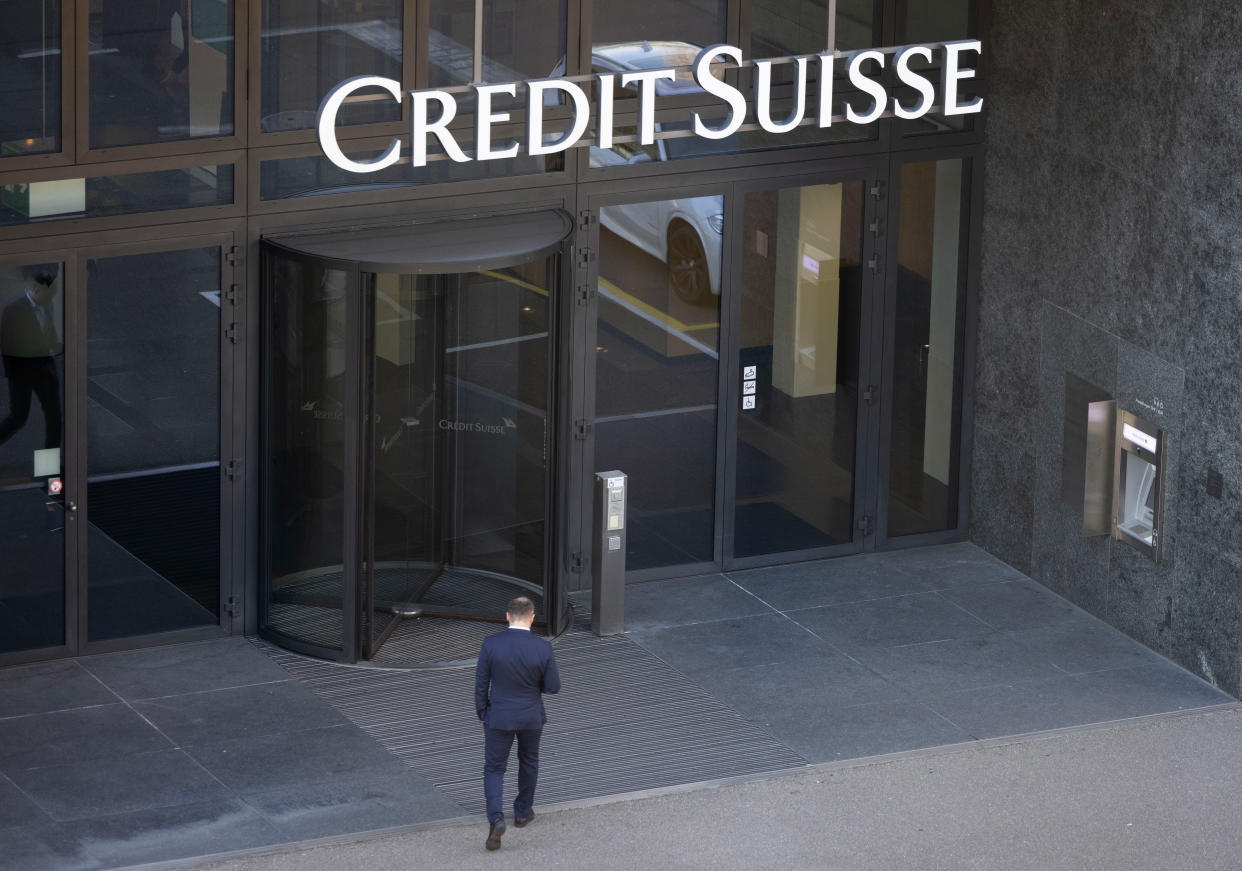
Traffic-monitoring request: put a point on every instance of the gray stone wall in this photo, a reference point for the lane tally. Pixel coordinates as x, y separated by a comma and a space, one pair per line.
1112, 252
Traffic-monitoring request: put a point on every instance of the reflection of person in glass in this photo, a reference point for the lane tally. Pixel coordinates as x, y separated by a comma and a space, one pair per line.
29, 346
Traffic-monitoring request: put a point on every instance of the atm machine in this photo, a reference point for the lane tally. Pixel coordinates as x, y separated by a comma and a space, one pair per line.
1124, 478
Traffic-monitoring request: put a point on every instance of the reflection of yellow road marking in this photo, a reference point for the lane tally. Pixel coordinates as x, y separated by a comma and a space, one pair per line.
512, 280
663, 317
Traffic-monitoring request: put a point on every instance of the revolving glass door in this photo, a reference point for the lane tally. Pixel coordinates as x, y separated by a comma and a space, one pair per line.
410, 440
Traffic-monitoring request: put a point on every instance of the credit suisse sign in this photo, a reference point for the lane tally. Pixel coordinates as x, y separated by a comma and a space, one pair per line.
432, 110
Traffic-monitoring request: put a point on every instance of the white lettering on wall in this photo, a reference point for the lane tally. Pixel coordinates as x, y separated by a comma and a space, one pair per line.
426, 122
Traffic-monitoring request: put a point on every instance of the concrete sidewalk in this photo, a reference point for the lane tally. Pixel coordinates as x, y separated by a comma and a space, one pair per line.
1159, 793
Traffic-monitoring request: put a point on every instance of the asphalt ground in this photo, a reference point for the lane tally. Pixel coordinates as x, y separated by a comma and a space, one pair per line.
1155, 793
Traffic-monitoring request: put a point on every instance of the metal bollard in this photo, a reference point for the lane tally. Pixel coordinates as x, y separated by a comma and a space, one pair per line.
608, 555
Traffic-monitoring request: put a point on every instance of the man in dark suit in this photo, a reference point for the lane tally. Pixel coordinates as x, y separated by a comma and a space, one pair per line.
515, 669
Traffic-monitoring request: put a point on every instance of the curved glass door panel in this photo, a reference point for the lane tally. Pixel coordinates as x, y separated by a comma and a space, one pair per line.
460, 442
304, 431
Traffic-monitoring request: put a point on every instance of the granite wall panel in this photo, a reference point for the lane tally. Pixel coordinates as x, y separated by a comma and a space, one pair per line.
1005, 480
1112, 251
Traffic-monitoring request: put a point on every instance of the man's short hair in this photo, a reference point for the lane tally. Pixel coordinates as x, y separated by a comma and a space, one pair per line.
521, 608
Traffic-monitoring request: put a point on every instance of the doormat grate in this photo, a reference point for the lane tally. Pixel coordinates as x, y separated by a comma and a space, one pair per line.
624, 721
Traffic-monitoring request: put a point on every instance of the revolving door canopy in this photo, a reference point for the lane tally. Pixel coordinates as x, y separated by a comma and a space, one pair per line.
409, 436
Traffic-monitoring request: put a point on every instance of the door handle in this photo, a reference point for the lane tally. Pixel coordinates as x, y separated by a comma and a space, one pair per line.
71, 506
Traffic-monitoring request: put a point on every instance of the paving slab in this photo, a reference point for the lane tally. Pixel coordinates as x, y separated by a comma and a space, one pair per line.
102, 787
263, 709
183, 668
49, 686
76, 735
893, 622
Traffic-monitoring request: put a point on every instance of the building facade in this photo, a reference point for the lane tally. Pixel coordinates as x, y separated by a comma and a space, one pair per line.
250, 391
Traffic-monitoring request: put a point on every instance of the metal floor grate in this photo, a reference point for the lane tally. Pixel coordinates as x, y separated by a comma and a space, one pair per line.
311, 610
625, 721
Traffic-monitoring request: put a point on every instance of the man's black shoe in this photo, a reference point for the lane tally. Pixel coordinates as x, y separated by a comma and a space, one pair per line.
521, 821
493, 836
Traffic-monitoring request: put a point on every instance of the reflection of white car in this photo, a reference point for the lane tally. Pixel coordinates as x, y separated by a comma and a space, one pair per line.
684, 233
631, 57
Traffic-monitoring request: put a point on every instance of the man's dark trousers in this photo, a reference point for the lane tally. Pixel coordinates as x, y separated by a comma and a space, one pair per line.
515, 669
496, 746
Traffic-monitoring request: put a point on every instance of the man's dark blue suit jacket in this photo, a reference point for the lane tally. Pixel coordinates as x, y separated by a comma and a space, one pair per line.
515, 669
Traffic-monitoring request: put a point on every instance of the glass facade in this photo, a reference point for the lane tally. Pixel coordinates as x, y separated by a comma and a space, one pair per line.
111, 195
160, 71
307, 48
518, 41
719, 326
779, 28
636, 35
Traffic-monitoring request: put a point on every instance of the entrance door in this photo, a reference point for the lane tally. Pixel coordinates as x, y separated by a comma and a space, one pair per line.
798, 417
114, 429
411, 436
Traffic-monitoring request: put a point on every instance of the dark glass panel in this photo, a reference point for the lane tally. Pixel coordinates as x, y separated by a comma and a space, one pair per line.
32, 521
656, 371
779, 28
927, 350
683, 147
153, 442
314, 175
310, 46
105, 195
802, 279
304, 495
30, 50
520, 41
635, 36
160, 70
